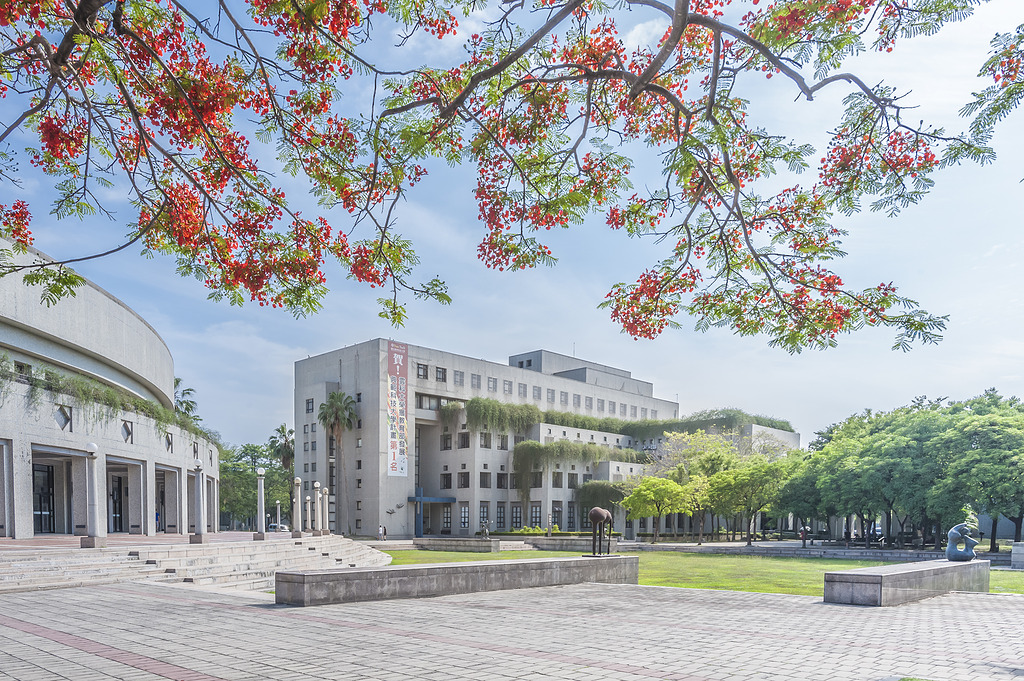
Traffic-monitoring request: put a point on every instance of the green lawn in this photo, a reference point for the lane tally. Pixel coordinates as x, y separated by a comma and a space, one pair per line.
712, 571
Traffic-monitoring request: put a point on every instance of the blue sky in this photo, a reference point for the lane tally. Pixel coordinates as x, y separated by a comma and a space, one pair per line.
958, 253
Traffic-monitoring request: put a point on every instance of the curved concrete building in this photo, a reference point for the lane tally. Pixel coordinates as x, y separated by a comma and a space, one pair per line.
145, 476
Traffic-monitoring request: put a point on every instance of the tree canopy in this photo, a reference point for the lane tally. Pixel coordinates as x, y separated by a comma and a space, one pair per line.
178, 106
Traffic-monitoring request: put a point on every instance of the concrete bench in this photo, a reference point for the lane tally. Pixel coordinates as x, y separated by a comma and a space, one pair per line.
472, 545
894, 584
1017, 556
319, 587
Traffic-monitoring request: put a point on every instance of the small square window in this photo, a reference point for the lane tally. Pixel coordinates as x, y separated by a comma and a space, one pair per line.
359, 505
441, 374
474, 381
485, 440
536, 392
463, 440
305, 468
421, 370
459, 378
359, 442
359, 483
359, 397
63, 418
309, 405
551, 395
588, 403
359, 464
128, 431
563, 397
305, 428
506, 387
492, 384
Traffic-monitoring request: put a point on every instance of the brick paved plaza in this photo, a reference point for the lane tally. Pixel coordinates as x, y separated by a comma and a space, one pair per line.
588, 631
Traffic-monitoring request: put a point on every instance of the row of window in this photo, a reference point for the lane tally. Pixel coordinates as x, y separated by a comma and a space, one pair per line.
486, 441
578, 401
503, 480
516, 515
309, 403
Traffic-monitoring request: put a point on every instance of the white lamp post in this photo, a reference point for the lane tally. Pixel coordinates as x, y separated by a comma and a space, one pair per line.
316, 505
95, 529
278, 515
309, 513
261, 528
326, 525
297, 508
200, 522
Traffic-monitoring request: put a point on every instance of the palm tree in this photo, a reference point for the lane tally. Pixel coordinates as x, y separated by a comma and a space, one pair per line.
337, 415
282, 445
184, 405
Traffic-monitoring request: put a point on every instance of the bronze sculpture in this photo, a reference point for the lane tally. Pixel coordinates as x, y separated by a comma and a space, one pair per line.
600, 517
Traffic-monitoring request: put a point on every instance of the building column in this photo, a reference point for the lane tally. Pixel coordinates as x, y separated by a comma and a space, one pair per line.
96, 475
21, 488
136, 506
215, 505
172, 502
199, 513
79, 496
297, 508
6, 493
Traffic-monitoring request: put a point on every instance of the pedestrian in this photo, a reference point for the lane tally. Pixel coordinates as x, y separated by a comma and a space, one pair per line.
380, 533
384, 529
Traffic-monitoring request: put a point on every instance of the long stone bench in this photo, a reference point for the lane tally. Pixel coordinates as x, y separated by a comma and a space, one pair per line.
455, 544
886, 585
581, 544
319, 587
1017, 556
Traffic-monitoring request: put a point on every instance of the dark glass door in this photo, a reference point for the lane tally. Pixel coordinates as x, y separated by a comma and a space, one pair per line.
42, 498
116, 503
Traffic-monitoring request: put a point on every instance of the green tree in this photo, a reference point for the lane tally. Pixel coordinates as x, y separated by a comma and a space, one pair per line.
238, 487
756, 486
656, 497
800, 495
337, 415
281, 444
183, 402
598, 493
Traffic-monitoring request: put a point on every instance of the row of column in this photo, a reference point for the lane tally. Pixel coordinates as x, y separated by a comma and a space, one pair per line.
317, 509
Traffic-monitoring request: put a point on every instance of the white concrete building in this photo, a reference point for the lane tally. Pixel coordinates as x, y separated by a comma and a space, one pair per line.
404, 468
148, 475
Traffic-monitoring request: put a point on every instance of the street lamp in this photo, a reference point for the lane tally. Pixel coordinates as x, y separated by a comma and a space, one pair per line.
316, 505
297, 508
309, 513
261, 528
200, 510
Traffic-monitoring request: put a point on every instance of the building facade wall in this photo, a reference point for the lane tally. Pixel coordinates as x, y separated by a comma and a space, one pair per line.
366, 496
145, 472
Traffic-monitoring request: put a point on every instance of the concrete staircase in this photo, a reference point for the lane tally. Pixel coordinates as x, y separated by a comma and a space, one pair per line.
252, 565
230, 565
28, 570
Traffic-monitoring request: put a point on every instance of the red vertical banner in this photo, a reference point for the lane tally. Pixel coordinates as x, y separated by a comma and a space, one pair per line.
398, 409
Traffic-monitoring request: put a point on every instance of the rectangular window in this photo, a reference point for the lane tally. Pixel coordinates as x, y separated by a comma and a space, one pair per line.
485, 480
503, 442
422, 370
622, 408
575, 401
522, 390
359, 464
502, 481
584, 521
654, 414
312, 445
587, 477
359, 442
463, 479
536, 393
611, 407
305, 468
643, 413
571, 522
359, 483
563, 397
536, 479
506, 387
492, 384
446, 441
312, 467
632, 412
459, 378
359, 397
441, 374
588, 403
485, 440
305, 446
446, 480
556, 479
312, 427
485, 513
464, 515
535, 520
574, 480
309, 406
474, 381
556, 513
600, 404
446, 517
305, 428
551, 395
499, 515
463, 440
517, 516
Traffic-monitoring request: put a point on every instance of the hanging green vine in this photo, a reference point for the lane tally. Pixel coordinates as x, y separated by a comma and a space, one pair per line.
600, 493
498, 416
96, 399
530, 454
449, 412
722, 419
